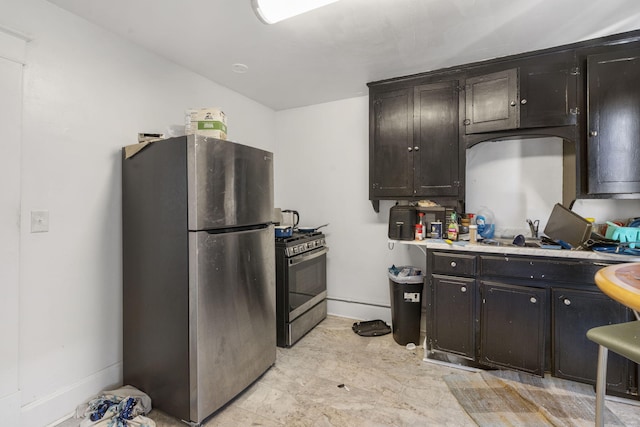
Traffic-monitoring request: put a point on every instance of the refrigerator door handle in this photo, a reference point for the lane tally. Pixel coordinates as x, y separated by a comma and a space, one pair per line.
308, 256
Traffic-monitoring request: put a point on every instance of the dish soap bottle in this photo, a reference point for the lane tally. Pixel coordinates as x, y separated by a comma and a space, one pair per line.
453, 228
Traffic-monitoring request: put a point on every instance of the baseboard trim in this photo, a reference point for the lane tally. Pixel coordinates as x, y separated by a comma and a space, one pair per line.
57, 406
63, 419
358, 310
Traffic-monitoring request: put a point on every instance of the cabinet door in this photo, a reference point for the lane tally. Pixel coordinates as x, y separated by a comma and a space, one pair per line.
512, 326
575, 357
548, 91
436, 150
391, 144
452, 325
613, 130
492, 102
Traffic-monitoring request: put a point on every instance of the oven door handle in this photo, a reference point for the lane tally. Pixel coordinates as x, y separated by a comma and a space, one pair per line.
308, 256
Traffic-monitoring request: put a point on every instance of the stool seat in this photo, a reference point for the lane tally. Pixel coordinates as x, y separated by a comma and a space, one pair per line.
622, 338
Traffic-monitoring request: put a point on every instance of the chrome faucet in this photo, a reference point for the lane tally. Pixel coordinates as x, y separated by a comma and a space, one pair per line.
533, 227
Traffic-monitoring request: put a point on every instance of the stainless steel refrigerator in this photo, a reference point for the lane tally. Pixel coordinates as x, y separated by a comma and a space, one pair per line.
198, 272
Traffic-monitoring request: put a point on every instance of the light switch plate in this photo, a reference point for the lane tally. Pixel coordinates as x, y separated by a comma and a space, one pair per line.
39, 221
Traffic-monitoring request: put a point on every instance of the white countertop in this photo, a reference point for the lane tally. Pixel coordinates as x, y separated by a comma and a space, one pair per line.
463, 246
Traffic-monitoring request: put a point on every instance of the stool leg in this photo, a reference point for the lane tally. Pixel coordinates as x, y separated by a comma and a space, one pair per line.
601, 385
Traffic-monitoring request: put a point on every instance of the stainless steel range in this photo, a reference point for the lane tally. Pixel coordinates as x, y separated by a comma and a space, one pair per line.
301, 285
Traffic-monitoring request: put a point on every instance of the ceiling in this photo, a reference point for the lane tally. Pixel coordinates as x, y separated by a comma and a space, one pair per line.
332, 52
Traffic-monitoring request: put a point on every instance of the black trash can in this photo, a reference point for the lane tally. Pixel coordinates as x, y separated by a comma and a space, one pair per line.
406, 304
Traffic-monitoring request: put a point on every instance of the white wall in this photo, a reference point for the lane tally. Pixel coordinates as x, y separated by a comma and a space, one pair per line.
607, 209
522, 179
516, 180
322, 171
87, 93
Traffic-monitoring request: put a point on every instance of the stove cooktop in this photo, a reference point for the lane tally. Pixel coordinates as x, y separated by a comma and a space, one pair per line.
299, 237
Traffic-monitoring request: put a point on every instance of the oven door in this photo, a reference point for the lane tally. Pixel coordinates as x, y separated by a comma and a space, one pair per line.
307, 280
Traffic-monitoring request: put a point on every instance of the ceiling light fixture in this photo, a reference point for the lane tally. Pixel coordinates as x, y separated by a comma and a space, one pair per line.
272, 11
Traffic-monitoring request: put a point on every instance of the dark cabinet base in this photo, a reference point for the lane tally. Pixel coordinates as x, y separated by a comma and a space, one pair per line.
530, 314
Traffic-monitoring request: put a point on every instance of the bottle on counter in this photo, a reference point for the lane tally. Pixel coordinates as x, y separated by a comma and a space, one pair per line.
453, 229
473, 233
464, 225
418, 232
436, 230
423, 225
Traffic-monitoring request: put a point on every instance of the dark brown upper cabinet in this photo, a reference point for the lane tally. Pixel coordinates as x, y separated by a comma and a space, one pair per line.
413, 144
613, 128
536, 93
391, 143
585, 93
492, 102
435, 137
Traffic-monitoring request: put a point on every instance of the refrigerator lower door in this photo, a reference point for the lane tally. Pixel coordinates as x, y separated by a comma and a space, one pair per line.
232, 321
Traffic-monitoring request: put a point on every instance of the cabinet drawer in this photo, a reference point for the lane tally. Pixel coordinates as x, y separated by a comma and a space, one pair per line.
575, 271
453, 264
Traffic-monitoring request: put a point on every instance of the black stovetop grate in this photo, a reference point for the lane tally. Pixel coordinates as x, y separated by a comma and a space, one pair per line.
299, 237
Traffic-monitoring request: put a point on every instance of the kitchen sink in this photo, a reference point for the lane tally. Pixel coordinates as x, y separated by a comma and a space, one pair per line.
528, 243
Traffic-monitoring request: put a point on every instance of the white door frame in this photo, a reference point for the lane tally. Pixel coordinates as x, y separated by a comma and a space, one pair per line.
12, 57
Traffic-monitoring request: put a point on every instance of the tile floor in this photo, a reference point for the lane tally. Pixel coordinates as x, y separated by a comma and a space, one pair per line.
384, 384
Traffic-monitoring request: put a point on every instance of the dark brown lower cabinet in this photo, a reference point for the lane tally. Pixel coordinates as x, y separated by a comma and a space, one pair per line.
452, 329
512, 326
575, 357
526, 313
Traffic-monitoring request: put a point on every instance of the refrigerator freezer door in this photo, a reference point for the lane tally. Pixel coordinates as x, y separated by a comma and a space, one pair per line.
232, 321
229, 184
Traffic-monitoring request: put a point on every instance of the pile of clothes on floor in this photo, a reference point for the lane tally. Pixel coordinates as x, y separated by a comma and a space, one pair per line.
123, 407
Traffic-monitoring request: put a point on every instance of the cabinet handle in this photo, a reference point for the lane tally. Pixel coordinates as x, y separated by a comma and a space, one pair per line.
466, 122
567, 301
523, 101
593, 133
453, 264
463, 289
410, 149
533, 300
416, 148
512, 103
